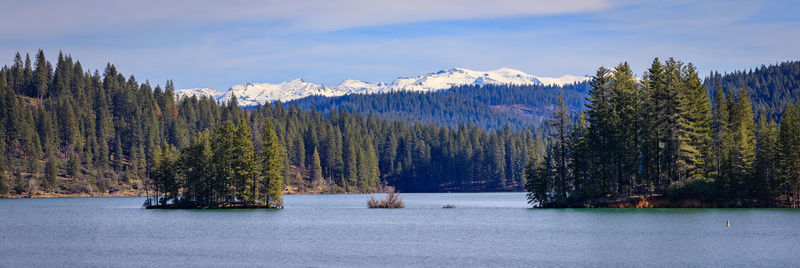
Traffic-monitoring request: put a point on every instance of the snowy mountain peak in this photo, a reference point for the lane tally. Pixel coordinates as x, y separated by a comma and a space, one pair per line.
249, 94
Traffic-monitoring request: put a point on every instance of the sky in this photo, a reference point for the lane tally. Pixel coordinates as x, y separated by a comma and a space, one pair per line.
222, 43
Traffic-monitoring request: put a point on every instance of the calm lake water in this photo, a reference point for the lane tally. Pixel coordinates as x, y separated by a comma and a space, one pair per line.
485, 229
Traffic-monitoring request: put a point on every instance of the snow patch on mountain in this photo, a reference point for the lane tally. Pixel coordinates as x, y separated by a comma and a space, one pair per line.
249, 94
197, 92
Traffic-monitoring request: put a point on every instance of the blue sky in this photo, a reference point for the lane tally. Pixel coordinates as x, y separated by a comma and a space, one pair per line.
208, 44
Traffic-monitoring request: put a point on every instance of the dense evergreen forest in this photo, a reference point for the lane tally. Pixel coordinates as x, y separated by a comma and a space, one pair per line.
68, 130
771, 88
664, 135
488, 106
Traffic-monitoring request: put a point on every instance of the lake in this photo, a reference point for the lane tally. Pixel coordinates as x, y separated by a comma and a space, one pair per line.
484, 229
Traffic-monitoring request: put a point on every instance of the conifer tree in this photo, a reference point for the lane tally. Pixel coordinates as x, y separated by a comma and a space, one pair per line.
196, 167
351, 168
745, 141
272, 167
4, 187
599, 129
316, 169
579, 153
222, 145
652, 119
720, 116
73, 165
165, 174
764, 181
41, 76
245, 172
560, 123
694, 127
668, 105
789, 153
624, 104
50, 173
539, 179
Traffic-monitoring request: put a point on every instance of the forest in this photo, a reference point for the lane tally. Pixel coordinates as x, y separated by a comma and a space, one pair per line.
487, 106
665, 135
490, 106
219, 169
770, 88
66, 130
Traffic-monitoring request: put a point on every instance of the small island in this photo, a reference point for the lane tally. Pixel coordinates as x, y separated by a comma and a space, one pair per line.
663, 141
392, 200
219, 169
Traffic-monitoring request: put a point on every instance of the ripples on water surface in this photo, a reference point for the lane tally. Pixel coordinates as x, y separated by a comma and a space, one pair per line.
485, 229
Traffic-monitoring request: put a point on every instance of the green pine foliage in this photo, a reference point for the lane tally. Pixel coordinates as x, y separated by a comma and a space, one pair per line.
108, 132
771, 88
316, 169
789, 156
488, 106
272, 164
663, 135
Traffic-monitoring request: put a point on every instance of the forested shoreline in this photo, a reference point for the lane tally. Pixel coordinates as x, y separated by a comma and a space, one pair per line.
66, 130
664, 136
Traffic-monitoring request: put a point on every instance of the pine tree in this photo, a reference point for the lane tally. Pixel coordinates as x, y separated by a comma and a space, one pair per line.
41, 75
196, 167
118, 155
3, 183
73, 165
373, 171
245, 173
539, 179
363, 175
745, 134
46, 132
33, 147
272, 167
4, 187
560, 123
222, 164
720, 116
624, 104
789, 154
165, 174
651, 116
350, 168
316, 169
694, 128
764, 181
579, 152
599, 129
668, 116
50, 172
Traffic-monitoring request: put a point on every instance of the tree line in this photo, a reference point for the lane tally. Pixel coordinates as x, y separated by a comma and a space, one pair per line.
64, 129
771, 88
485, 106
664, 134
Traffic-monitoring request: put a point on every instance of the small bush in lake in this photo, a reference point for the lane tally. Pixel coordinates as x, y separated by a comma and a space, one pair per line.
392, 200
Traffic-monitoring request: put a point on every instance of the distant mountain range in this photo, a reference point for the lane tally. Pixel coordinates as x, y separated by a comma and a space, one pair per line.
250, 94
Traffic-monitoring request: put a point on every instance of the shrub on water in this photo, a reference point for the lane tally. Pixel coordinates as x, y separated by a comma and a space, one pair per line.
392, 200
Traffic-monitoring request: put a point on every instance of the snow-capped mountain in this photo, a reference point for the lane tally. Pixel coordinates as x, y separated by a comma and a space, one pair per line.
249, 94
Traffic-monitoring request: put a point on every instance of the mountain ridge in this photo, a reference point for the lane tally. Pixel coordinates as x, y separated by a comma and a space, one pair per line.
251, 94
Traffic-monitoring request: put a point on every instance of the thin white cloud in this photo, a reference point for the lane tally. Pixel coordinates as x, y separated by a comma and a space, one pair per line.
37, 19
